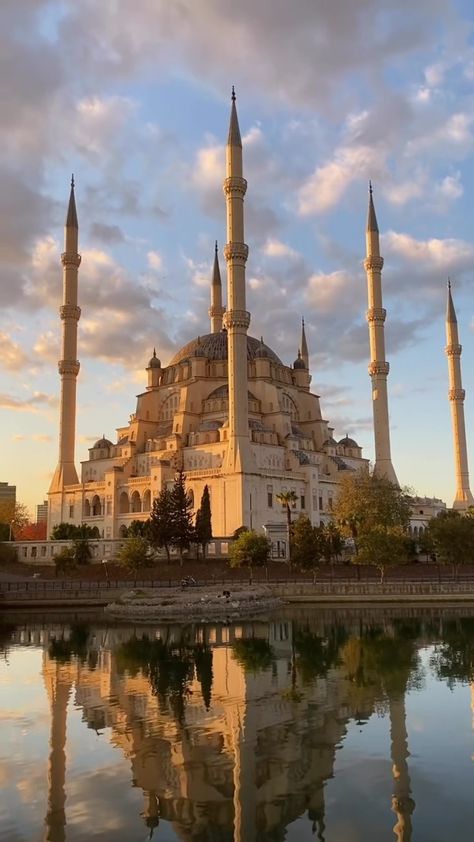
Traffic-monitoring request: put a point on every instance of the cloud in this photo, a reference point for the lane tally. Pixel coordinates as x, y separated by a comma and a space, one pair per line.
39, 401
275, 248
155, 260
107, 234
12, 357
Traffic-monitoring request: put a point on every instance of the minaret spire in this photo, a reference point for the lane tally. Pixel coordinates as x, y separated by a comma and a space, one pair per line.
237, 319
463, 498
216, 310
304, 346
68, 365
379, 367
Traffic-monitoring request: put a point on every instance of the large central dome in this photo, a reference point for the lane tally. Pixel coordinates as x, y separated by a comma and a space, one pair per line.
214, 347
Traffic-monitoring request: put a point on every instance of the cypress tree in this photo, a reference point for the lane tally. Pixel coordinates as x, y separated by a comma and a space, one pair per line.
181, 506
203, 521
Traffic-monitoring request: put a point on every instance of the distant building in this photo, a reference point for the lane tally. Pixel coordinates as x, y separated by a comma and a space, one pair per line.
422, 510
42, 512
7, 500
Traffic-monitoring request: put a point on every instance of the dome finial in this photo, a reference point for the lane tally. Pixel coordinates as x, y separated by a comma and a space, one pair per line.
233, 97
449, 282
370, 186
72, 181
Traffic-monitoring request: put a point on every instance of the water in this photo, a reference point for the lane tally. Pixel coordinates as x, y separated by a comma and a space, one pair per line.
339, 725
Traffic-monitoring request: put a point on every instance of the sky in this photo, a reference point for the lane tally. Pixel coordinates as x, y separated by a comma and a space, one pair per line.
134, 100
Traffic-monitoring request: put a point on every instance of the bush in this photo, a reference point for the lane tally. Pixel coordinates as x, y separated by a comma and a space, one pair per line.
7, 554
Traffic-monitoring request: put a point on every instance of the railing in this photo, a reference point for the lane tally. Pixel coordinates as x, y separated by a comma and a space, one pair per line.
292, 586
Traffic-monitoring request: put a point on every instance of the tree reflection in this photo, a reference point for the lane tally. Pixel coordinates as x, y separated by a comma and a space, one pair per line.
170, 668
76, 645
453, 658
254, 654
316, 655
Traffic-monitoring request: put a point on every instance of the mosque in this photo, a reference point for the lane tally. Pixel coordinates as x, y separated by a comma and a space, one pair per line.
226, 409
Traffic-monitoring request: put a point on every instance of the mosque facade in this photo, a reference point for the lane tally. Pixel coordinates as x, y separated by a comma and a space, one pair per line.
226, 409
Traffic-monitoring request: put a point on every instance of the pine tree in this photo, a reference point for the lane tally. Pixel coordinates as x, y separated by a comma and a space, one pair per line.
161, 528
181, 513
203, 522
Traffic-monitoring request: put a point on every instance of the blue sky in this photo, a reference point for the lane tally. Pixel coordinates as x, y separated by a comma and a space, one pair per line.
134, 99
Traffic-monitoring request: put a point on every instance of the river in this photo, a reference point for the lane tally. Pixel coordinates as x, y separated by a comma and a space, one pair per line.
319, 723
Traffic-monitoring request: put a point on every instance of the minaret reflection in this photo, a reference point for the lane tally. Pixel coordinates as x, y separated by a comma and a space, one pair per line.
58, 682
402, 802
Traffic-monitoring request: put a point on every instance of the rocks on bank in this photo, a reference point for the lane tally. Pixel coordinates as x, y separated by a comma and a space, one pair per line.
194, 603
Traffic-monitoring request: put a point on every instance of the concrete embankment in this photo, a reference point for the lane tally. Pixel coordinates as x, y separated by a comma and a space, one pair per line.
68, 594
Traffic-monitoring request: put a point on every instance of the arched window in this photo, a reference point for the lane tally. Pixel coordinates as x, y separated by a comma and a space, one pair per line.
191, 496
123, 531
147, 500
124, 503
136, 503
96, 507
87, 508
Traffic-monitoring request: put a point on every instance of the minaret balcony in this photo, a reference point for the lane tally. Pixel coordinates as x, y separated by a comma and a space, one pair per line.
378, 367
456, 394
376, 314
235, 184
70, 258
373, 262
237, 318
453, 350
69, 367
236, 252
70, 311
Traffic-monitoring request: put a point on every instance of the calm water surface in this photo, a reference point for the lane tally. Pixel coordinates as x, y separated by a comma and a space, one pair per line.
338, 725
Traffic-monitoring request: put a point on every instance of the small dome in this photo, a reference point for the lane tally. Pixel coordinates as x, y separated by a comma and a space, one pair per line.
330, 442
154, 362
299, 362
348, 442
102, 443
261, 351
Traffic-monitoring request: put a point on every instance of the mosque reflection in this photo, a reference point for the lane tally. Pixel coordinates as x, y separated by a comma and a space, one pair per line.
231, 732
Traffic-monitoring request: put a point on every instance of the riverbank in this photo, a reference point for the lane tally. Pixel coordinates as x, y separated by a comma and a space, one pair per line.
72, 594
194, 604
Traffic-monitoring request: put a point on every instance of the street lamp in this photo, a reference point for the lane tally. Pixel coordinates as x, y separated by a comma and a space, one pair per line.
104, 562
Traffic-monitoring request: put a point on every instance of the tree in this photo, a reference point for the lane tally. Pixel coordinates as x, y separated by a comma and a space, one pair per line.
135, 553
366, 502
7, 554
69, 532
63, 532
382, 548
306, 546
65, 560
332, 542
13, 516
181, 515
138, 528
203, 527
250, 550
452, 537
161, 529
288, 500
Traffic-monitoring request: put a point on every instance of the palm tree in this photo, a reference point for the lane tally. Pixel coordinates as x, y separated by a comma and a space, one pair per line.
288, 500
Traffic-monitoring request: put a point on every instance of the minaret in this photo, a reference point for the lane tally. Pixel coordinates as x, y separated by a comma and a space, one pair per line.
58, 687
304, 346
237, 319
463, 498
379, 367
403, 804
216, 310
68, 365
